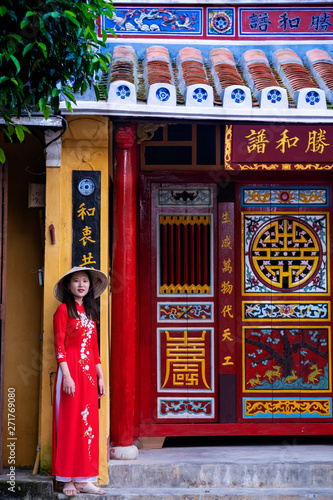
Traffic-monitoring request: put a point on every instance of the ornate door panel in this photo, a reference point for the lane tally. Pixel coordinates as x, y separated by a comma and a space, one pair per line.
286, 304
178, 326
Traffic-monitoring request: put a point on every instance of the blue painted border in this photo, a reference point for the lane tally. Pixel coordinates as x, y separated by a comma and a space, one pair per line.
280, 415
289, 205
185, 414
173, 321
128, 11
283, 33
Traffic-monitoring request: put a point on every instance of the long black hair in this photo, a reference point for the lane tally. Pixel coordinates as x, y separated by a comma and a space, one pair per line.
89, 301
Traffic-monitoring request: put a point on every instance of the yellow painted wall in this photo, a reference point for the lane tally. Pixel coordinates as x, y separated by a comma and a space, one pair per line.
23, 298
84, 147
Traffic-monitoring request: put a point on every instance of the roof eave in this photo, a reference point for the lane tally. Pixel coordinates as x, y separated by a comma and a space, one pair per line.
144, 111
37, 121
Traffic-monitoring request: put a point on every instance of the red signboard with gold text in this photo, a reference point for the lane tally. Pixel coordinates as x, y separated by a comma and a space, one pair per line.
278, 147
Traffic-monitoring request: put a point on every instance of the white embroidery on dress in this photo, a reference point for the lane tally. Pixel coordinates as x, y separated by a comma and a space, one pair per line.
88, 329
88, 432
60, 354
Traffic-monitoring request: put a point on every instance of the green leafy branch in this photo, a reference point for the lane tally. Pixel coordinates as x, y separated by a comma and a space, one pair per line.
49, 51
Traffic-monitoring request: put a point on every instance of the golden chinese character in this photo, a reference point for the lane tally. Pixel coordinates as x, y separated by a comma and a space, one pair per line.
226, 287
227, 335
86, 231
226, 243
225, 218
257, 141
185, 359
227, 310
227, 361
227, 266
87, 260
83, 211
316, 142
286, 142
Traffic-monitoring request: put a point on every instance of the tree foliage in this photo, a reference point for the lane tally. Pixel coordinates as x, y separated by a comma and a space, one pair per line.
49, 50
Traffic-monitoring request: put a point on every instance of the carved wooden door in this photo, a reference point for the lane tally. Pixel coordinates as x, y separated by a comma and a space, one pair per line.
285, 304
178, 348
235, 307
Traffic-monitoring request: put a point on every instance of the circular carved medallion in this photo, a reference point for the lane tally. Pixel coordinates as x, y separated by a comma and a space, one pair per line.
86, 187
285, 253
221, 22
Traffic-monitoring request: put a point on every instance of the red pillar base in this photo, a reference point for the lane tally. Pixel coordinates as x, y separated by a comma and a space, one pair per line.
124, 452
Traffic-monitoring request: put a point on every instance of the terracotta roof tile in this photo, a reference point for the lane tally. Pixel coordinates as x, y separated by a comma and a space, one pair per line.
321, 64
292, 71
158, 66
257, 71
223, 68
255, 68
191, 70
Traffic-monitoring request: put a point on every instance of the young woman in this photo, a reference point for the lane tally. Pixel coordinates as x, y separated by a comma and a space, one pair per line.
79, 381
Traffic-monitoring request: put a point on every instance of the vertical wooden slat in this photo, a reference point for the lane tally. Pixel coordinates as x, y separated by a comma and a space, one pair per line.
171, 254
192, 254
185, 252
218, 131
178, 255
199, 253
164, 259
194, 144
204, 255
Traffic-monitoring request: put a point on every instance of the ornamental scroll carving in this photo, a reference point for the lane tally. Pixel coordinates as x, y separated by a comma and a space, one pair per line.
146, 131
126, 136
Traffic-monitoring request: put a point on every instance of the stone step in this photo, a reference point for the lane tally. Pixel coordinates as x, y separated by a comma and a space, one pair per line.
25, 486
291, 472
208, 494
227, 467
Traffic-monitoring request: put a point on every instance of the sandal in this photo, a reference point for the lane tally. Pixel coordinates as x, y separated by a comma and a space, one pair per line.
89, 488
69, 489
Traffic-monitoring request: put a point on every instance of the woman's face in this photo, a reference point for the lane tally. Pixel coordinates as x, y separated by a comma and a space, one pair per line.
79, 285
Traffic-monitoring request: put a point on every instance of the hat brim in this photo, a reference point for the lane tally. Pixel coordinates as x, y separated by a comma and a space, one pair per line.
98, 278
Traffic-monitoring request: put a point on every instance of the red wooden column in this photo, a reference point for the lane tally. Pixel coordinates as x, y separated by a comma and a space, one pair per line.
123, 336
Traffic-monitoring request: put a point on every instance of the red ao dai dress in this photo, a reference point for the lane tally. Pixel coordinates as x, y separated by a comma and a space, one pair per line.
75, 450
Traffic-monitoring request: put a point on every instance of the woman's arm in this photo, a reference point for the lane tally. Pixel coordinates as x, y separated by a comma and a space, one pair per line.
101, 384
68, 384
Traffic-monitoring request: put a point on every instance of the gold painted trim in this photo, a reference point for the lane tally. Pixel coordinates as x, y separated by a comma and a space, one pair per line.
285, 406
200, 220
227, 147
176, 289
278, 166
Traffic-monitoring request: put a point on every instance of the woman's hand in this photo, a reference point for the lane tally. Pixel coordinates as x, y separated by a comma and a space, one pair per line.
68, 385
101, 387
101, 383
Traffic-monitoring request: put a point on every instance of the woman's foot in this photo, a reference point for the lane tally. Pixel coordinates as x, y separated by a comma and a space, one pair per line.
69, 489
89, 488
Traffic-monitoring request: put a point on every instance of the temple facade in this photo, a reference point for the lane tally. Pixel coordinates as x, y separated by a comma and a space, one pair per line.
202, 186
